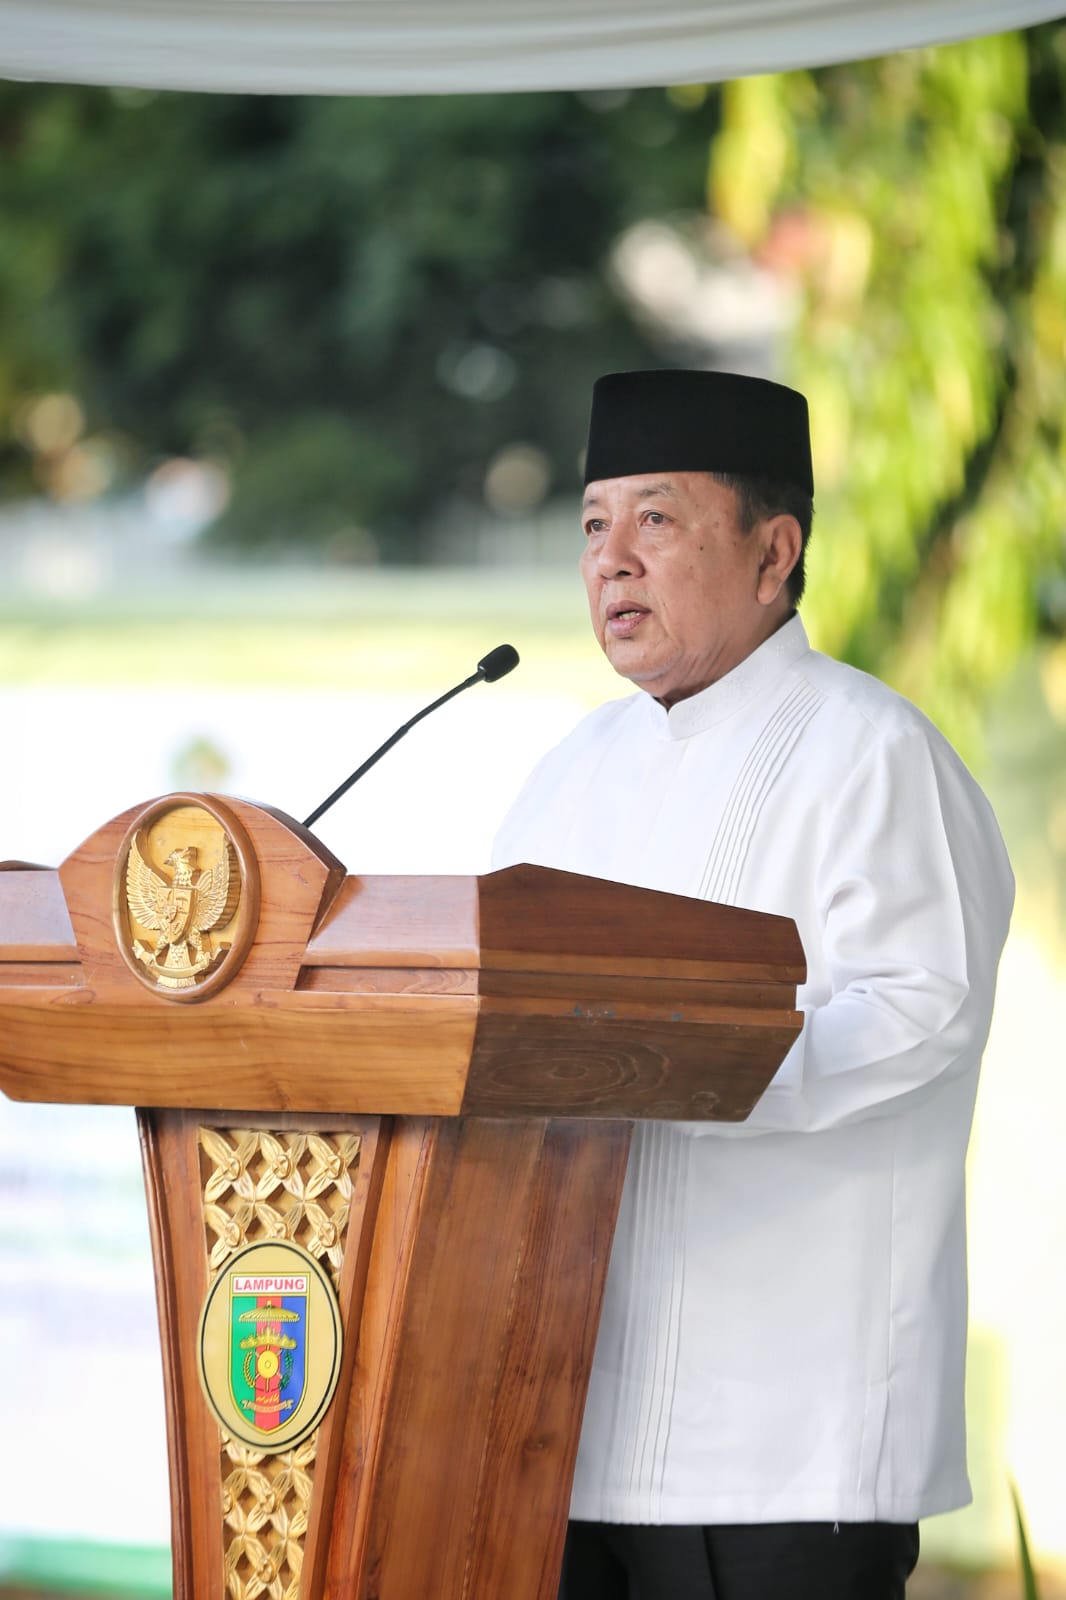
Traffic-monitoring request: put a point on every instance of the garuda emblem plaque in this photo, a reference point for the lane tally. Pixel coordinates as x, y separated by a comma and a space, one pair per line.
186, 897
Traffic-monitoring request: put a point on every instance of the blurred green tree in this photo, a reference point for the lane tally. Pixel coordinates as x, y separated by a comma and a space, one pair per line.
919, 205
354, 305
357, 306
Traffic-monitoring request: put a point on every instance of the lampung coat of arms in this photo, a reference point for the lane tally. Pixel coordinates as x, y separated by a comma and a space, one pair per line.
180, 910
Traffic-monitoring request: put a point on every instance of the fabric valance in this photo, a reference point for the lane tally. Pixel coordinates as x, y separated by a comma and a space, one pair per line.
467, 46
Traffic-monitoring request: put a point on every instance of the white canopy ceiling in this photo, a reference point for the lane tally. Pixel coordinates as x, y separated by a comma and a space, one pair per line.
463, 46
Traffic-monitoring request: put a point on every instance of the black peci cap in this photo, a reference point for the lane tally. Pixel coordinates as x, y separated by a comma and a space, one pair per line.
679, 421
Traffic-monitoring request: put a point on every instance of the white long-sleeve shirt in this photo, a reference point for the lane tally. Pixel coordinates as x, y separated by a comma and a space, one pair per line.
784, 1326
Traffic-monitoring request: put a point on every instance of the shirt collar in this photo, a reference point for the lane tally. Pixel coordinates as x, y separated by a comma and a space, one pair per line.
750, 678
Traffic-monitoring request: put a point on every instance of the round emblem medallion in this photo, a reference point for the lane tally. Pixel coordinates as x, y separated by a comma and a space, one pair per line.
270, 1345
185, 897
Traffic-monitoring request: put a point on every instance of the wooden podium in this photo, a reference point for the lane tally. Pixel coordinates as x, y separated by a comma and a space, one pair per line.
428, 1084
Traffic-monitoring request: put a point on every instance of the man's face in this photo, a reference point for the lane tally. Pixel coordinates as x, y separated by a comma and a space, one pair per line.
679, 595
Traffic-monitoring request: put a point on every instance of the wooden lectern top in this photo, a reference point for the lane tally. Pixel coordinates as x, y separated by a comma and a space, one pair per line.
523, 992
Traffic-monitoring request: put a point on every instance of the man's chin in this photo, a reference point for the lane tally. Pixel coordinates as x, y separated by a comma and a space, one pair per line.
640, 674
660, 685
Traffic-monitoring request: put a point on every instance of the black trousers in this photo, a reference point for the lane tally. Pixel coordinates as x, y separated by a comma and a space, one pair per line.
739, 1561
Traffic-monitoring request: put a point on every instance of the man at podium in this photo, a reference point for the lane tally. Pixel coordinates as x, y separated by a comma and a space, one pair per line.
777, 1393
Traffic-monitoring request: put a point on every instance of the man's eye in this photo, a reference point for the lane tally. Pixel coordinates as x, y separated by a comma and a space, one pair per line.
656, 518
594, 525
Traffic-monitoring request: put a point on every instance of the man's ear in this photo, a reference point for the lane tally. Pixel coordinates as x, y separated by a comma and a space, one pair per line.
781, 541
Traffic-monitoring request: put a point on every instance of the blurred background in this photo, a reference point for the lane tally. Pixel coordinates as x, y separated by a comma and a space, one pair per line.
292, 399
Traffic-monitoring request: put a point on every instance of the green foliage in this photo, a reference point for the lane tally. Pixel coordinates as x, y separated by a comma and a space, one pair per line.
352, 304
356, 305
1030, 1590
919, 204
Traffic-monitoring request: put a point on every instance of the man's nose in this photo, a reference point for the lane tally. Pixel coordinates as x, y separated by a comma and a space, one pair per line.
618, 556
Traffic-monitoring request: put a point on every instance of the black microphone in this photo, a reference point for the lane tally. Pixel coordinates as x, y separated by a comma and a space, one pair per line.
495, 665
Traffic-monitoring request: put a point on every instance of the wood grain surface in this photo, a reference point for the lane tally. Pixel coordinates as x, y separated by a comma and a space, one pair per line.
674, 993
399, 921
389, 980
172, 1184
606, 1067
483, 1366
311, 1052
34, 921
533, 919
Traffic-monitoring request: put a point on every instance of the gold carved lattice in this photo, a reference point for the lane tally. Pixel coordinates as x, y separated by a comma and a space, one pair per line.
259, 1186
266, 1501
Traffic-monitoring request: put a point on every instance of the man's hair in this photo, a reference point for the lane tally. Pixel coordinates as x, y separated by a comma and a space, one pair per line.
758, 498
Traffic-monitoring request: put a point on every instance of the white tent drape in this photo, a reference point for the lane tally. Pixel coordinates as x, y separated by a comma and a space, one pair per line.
464, 46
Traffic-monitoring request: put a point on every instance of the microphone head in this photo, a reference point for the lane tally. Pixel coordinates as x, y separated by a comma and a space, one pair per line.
498, 663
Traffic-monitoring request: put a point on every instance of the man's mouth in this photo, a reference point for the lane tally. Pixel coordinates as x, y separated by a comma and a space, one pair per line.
623, 616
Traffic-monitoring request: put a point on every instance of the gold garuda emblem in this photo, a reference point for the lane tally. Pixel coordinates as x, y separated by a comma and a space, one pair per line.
180, 910
179, 898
